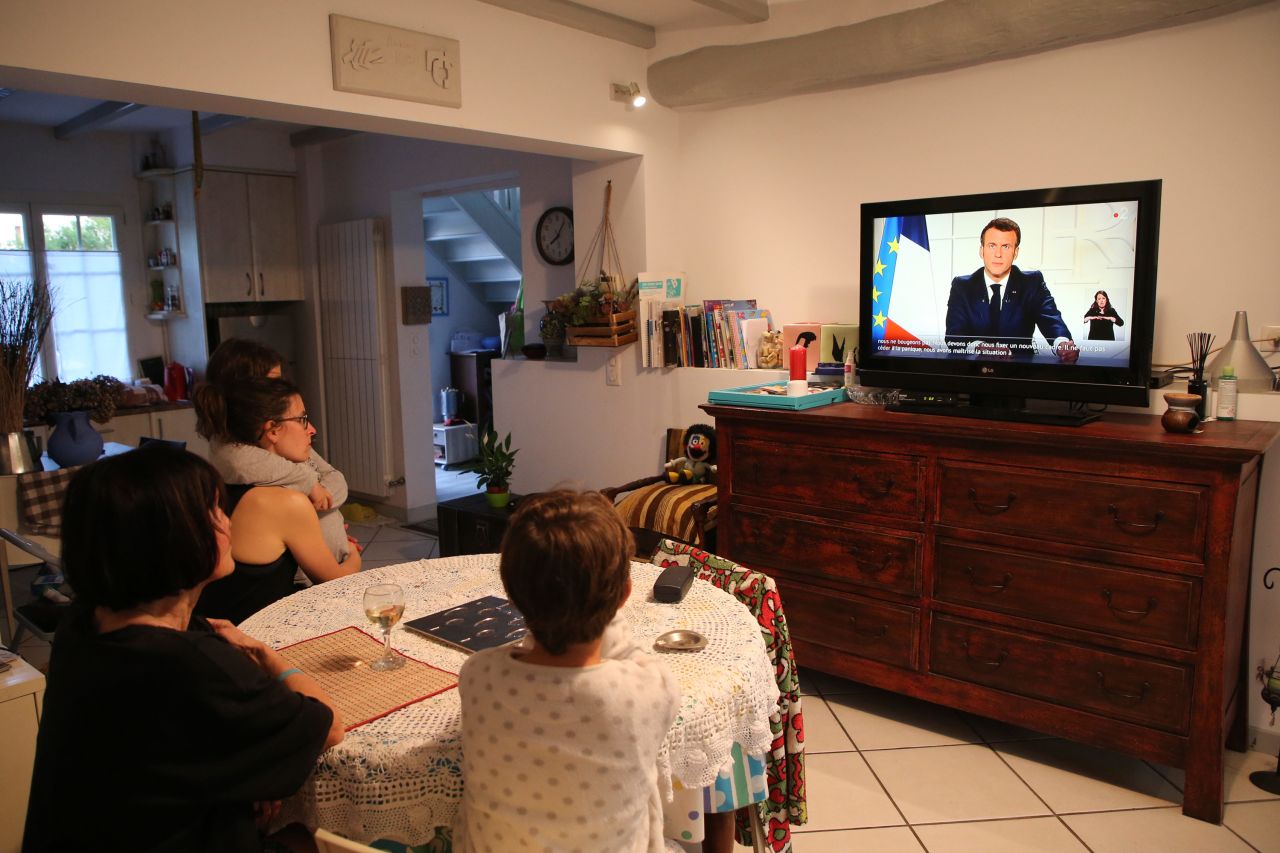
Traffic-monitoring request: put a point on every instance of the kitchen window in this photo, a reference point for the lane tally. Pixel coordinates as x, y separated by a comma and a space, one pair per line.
77, 249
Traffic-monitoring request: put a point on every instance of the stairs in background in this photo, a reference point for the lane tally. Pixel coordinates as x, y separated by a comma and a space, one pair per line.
476, 235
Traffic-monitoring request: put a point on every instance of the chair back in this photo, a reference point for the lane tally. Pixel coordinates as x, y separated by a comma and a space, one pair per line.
786, 803
328, 842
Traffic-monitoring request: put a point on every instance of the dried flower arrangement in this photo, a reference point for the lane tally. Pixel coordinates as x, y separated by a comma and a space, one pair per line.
100, 396
26, 308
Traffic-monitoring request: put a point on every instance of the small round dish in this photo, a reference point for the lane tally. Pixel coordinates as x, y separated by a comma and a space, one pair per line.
680, 640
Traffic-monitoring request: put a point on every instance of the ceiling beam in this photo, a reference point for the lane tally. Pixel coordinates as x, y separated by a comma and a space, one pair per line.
942, 36
747, 11
588, 20
316, 135
220, 121
92, 119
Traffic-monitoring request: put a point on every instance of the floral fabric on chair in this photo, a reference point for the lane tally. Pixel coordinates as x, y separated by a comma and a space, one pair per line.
785, 763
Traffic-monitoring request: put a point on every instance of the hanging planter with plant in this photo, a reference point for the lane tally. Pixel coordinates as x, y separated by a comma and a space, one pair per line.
600, 311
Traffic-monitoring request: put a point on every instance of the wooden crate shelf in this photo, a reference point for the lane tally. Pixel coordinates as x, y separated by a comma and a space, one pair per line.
614, 331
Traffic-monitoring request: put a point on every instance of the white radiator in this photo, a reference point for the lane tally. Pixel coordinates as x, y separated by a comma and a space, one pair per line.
354, 353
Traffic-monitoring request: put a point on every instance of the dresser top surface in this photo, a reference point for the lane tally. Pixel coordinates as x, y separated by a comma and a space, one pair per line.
1234, 441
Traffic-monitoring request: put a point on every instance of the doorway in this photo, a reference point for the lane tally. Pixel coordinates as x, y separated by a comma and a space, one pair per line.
473, 264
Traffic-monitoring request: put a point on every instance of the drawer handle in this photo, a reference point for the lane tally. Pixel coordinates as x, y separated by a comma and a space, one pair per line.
993, 587
248, 291
1131, 698
1120, 611
1140, 528
869, 636
992, 509
987, 662
868, 492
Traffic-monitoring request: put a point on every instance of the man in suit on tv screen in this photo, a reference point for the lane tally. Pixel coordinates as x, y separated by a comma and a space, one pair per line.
996, 310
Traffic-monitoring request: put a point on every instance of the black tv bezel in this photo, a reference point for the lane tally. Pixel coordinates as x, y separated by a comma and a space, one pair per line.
1076, 383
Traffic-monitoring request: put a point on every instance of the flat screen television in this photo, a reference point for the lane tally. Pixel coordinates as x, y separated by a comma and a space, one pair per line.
1075, 311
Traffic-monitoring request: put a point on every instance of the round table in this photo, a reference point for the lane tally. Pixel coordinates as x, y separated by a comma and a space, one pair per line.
400, 776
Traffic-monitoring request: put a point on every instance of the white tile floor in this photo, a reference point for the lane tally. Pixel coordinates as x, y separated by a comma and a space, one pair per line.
891, 774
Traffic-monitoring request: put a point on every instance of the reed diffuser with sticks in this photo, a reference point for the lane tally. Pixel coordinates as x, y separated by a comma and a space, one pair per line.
1201, 344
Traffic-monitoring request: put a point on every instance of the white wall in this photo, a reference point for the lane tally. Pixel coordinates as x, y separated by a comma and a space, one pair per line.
96, 169
386, 177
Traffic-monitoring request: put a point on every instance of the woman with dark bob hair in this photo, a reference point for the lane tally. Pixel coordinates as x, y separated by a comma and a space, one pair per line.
161, 730
274, 529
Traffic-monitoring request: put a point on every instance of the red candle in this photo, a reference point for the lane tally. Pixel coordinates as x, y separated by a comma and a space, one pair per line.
799, 362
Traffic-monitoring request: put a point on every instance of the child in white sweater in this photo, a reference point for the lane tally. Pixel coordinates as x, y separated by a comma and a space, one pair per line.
562, 735
237, 359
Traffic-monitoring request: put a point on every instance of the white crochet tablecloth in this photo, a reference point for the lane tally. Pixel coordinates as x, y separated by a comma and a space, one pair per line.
400, 776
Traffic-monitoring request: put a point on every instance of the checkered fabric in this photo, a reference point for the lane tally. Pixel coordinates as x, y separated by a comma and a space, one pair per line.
40, 494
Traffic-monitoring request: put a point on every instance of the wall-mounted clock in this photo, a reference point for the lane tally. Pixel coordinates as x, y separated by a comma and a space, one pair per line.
554, 236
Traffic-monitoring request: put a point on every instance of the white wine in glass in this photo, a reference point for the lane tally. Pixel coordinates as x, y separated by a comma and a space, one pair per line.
384, 605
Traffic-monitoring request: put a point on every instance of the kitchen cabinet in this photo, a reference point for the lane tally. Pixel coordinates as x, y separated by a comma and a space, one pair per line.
248, 238
169, 424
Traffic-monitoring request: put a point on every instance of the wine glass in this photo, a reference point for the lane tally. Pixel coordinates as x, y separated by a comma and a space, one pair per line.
384, 605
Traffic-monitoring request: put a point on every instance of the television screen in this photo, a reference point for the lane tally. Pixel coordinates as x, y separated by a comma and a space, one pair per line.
1029, 294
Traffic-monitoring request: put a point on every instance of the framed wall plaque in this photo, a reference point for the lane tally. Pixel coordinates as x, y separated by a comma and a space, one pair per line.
439, 296
390, 62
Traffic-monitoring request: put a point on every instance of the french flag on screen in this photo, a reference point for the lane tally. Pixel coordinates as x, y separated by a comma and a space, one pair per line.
904, 308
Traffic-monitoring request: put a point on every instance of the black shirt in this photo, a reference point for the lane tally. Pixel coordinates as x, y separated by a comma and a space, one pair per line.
252, 586
154, 739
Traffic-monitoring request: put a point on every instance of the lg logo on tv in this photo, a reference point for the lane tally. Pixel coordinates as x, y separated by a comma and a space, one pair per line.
988, 371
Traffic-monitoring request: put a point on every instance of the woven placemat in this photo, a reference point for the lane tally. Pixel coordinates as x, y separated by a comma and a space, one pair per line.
340, 662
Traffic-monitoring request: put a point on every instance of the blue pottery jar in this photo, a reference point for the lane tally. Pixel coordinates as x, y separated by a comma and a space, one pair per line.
73, 441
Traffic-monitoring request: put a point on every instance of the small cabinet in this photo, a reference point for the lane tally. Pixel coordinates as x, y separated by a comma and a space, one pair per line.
470, 526
169, 424
472, 374
248, 238
21, 697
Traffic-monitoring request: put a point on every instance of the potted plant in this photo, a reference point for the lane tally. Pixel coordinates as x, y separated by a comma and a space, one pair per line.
26, 308
494, 466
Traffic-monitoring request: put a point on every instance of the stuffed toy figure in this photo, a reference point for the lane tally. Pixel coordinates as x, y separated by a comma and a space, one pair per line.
770, 354
698, 465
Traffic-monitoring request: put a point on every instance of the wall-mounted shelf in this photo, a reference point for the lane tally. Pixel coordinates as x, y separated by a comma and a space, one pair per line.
158, 197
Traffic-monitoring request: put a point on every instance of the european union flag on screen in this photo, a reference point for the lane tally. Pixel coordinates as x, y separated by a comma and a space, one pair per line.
904, 307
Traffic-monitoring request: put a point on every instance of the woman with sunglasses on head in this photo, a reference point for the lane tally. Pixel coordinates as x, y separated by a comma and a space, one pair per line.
275, 530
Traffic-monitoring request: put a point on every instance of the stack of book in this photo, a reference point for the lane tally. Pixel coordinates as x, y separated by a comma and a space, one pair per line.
717, 333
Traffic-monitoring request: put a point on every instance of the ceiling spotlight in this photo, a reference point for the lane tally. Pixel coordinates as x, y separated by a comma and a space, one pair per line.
630, 93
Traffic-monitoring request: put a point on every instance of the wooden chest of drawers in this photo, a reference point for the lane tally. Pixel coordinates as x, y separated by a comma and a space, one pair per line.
1086, 582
